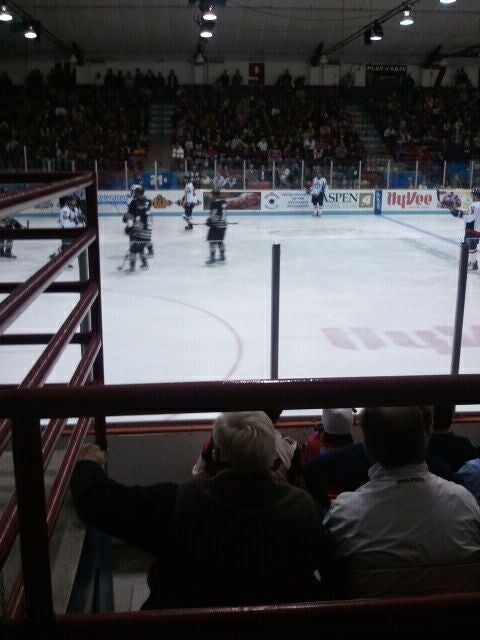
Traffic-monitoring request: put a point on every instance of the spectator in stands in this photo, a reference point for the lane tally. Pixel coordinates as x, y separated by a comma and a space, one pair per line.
445, 444
239, 538
172, 80
347, 468
333, 433
178, 156
224, 80
469, 476
286, 467
237, 79
406, 531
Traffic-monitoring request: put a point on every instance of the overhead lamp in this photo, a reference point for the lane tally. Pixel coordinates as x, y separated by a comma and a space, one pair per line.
206, 31
30, 32
367, 37
324, 59
447, 1
407, 18
377, 31
208, 12
5, 15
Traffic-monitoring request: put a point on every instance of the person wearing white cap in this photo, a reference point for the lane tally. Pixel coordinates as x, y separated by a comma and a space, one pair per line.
333, 433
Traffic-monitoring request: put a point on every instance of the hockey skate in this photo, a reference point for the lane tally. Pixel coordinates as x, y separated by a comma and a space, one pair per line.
210, 260
222, 258
473, 266
9, 254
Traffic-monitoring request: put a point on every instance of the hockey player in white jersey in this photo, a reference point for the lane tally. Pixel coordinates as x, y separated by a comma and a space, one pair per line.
70, 217
317, 190
471, 217
136, 185
189, 201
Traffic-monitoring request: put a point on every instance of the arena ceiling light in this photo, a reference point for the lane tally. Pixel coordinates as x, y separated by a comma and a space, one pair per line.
5, 15
407, 18
208, 12
206, 30
447, 1
377, 32
30, 32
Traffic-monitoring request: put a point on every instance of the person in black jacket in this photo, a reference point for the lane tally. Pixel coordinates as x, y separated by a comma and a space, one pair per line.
217, 223
238, 538
6, 245
138, 228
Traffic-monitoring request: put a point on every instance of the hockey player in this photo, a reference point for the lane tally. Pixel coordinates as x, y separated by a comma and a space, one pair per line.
139, 229
471, 218
317, 190
189, 201
70, 217
137, 190
217, 223
137, 184
6, 245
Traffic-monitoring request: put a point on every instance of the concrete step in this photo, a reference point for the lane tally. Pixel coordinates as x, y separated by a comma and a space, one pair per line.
65, 544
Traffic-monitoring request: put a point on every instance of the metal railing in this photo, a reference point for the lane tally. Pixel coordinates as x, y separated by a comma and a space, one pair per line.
86, 314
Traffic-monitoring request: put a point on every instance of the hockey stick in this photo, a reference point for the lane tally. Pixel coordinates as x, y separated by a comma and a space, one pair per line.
202, 224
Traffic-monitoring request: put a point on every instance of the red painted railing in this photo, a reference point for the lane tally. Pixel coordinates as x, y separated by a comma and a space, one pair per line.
26, 512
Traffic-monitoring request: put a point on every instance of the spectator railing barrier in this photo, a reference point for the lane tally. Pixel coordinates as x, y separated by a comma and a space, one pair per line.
255, 173
87, 314
25, 407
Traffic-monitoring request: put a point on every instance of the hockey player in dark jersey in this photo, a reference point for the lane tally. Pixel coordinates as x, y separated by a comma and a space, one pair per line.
6, 245
217, 223
139, 229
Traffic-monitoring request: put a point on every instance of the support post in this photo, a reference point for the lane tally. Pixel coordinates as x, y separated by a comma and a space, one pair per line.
471, 174
416, 174
444, 172
330, 182
30, 490
275, 311
388, 174
302, 175
359, 174
244, 175
126, 176
25, 163
156, 175
460, 308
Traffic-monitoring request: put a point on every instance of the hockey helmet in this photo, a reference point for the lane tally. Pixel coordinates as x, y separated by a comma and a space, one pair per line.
138, 190
476, 192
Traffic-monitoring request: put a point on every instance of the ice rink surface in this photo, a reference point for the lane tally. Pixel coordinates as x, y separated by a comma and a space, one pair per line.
360, 295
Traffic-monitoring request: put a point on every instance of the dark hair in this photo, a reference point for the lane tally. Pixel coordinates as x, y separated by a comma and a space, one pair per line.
394, 436
443, 417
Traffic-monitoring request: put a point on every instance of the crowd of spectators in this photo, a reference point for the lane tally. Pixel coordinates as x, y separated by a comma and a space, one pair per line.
285, 124
430, 124
60, 122
249, 529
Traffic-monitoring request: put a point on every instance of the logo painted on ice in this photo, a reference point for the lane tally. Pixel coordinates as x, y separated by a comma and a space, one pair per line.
438, 338
271, 200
